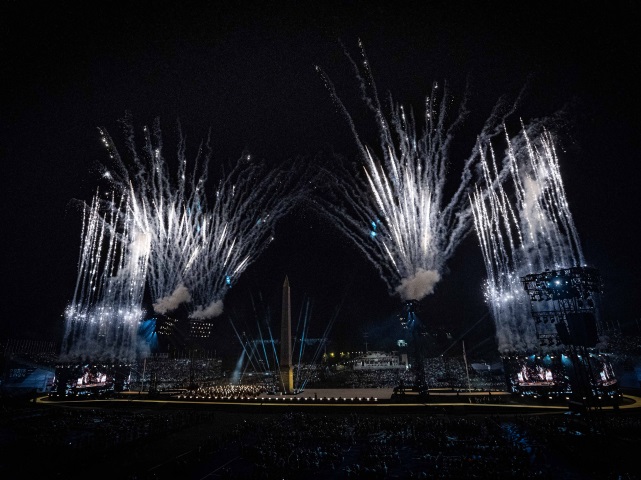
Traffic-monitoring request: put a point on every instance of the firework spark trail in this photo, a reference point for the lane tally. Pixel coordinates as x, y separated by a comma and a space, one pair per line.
248, 204
170, 213
162, 234
399, 216
197, 252
532, 233
102, 319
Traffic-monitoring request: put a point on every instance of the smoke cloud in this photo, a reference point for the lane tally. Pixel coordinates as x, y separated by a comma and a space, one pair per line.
213, 310
418, 285
173, 301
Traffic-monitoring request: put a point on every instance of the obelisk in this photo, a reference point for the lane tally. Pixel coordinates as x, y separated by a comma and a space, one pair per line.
286, 370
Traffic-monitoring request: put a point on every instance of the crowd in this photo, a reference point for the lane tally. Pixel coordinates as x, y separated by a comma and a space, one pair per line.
359, 446
231, 391
441, 373
296, 445
171, 373
89, 428
301, 445
314, 446
208, 376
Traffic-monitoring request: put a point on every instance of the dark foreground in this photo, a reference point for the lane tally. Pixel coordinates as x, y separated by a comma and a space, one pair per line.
134, 440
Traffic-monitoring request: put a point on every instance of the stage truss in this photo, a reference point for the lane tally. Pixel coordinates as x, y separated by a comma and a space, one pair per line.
557, 297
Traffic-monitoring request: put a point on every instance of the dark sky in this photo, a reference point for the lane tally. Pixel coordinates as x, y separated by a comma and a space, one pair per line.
246, 70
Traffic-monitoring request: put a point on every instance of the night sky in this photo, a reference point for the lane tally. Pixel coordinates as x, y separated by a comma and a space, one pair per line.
246, 71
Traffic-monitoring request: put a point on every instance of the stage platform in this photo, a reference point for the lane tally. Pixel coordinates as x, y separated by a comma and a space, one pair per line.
372, 400
325, 393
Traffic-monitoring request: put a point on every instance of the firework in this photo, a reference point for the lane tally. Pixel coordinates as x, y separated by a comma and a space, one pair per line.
156, 230
531, 231
102, 319
396, 209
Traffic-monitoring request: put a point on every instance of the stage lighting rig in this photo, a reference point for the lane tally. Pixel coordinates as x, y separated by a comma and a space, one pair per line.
408, 317
411, 306
563, 305
566, 284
